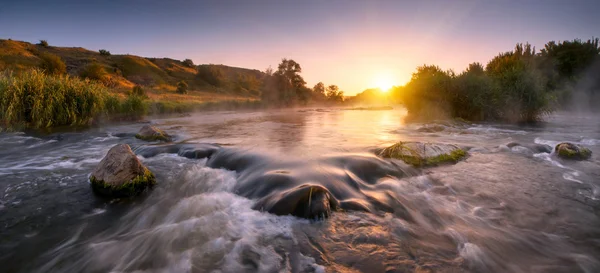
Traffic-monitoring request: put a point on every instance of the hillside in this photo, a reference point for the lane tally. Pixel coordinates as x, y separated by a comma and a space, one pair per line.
160, 75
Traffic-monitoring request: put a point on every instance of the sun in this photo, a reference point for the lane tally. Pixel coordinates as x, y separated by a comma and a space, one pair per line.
384, 82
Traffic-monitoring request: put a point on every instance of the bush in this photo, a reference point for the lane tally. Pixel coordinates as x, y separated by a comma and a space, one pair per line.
52, 64
34, 99
182, 87
138, 91
134, 106
94, 71
104, 52
188, 63
43, 43
212, 75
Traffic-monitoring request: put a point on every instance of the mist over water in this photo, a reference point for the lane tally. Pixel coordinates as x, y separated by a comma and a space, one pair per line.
506, 208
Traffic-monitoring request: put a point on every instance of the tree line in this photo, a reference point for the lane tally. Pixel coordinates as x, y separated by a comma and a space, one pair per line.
518, 85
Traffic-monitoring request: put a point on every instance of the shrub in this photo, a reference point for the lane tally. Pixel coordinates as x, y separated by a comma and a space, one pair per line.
94, 71
34, 99
43, 43
134, 106
138, 91
182, 87
104, 52
52, 64
188, 63
212, 75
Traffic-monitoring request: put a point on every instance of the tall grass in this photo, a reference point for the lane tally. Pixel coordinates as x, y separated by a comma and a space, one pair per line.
33, 99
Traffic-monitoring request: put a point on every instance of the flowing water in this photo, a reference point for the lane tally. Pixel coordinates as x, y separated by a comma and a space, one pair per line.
506, 208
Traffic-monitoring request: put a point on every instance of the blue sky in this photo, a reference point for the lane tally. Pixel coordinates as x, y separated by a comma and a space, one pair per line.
354, 44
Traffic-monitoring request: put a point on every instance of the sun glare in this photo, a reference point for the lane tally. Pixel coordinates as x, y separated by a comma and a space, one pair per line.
384, 82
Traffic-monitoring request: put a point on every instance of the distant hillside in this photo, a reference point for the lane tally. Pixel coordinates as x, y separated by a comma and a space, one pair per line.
125, 71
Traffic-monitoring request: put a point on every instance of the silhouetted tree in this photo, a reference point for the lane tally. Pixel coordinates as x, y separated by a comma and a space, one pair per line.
188, 63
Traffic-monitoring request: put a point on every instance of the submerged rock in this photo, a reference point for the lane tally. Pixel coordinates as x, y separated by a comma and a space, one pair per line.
572, 151
534, 148
151, 133
421, 154
306, 201
431, 128
121, 174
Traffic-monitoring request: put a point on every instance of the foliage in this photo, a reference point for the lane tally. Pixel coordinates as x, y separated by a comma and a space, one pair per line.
52, 64
94, 71
334, 94
138, 91
247, 83
510, 88
104, 52
212, 75
286, 86
43, 43
188, 62
182, 87
134, 107
428, 93
33, 99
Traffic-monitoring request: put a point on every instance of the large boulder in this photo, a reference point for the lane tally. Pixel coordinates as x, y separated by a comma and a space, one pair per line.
121, 174
572, 151
421, 154
151, 133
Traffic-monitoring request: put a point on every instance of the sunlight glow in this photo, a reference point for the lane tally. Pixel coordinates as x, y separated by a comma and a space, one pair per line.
384, 81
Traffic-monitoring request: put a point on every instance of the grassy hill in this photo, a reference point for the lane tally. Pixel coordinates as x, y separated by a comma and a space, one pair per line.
157, 75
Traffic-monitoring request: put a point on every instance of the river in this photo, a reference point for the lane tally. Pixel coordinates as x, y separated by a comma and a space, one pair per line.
502, 209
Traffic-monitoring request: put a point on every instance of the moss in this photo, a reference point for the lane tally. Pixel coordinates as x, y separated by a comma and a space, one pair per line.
571, 151
160, 137
400, 151
132, 188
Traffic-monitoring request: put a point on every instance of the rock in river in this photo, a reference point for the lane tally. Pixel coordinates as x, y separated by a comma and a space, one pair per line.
151, 133
121, 174
572, 151
421, 154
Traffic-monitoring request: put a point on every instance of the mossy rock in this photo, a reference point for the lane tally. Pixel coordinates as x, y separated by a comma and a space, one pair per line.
424, 154
572, 151
128, 189
121, 174
151, 133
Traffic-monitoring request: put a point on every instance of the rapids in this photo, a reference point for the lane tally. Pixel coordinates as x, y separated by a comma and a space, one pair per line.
232, 185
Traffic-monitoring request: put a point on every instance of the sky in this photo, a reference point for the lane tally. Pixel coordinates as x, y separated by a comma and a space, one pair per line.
353, 44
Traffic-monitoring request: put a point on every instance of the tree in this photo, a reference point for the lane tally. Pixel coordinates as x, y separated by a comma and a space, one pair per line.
53, 64
334, 94
188, 63
182, 87
104, 52
43, 43
286, 86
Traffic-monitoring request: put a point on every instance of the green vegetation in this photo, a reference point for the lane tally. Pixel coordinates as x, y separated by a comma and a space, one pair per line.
38, 91
182, 87
212, 75
188, 63
416, 158
35, 100
138, 90
572, 151
132, 188
519, 85
52, 64
43, 43
94, 71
